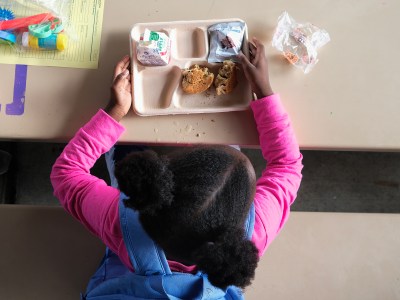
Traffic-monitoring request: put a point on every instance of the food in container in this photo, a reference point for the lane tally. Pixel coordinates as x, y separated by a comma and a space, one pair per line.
158, 90
154, 48
225, 41
196, 79
226, 79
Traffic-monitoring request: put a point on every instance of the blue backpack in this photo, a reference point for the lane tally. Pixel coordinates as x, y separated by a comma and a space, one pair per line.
152, 278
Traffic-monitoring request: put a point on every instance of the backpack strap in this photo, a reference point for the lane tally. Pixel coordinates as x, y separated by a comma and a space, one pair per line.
146, 257
249, 223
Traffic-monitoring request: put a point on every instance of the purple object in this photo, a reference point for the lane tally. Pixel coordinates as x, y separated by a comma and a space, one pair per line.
17, 106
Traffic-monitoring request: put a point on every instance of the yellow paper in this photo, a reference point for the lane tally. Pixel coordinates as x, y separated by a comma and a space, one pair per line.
85, 18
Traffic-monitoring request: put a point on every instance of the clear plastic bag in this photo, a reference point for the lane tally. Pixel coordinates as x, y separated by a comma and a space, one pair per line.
299, 41
225, 41
34, 24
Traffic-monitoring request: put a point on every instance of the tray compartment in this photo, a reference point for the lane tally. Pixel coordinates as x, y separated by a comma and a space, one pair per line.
190, 43
209, 99
164, 82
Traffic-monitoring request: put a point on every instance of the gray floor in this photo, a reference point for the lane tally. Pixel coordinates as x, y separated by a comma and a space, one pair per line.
332, 181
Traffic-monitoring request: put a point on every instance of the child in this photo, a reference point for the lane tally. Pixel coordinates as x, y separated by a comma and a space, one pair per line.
196, 203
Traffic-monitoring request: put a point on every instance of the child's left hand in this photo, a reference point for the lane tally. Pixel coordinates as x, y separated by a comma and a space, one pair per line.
121, 91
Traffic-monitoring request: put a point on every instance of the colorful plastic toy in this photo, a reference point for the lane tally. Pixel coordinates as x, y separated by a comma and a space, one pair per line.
25, 22
6, 14
52, 42
5, 36
45, 29
42, 31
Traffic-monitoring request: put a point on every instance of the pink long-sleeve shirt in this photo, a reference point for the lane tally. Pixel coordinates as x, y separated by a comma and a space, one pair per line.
95, 204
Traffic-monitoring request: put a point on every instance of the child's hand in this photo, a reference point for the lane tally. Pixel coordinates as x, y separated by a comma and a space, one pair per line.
121, 95
256, 70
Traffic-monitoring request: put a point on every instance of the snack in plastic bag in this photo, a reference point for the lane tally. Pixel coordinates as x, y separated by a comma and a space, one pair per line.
299, 42
154, 48
33, 24
225, 41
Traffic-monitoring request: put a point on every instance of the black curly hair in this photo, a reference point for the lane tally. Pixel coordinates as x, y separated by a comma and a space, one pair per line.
193, 203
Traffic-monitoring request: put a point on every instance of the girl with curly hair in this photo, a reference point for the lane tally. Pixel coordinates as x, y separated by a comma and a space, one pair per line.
197, 211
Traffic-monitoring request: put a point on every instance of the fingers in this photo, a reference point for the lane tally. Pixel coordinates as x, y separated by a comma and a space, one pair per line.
253, 50
260, 54
121, 74
257, 43
244, 61
256, 49
121, 66
121, 81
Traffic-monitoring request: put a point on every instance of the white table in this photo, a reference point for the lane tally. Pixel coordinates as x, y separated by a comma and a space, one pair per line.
349, 101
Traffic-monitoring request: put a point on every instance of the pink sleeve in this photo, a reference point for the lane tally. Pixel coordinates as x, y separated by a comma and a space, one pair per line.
277, 188
86, 197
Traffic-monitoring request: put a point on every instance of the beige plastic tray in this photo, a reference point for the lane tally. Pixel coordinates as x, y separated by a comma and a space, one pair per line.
157, 89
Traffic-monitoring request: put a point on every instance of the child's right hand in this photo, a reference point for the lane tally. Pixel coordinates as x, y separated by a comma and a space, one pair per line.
256, 69
121, 96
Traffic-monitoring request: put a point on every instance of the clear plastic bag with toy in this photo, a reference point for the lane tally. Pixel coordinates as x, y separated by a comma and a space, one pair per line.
34, 24
299, 42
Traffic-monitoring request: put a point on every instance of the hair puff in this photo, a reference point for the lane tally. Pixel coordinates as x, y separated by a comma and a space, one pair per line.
230, 260
145, 178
